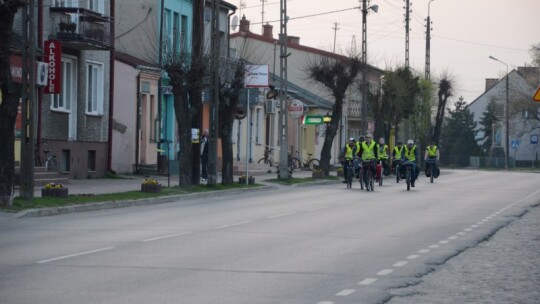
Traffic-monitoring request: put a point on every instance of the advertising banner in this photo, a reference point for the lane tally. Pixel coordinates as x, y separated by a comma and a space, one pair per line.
53, 57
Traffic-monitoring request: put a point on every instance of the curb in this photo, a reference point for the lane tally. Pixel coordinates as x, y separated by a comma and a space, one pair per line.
128, 203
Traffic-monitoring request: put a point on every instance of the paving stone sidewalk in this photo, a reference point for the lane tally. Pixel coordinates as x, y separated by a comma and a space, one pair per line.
504, 269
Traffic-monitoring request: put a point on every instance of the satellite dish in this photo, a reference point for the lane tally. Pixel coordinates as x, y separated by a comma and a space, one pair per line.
234, 23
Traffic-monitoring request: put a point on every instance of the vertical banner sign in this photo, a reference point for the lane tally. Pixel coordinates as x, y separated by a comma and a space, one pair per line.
53, 56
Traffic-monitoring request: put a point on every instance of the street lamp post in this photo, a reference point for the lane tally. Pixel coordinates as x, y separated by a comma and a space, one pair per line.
506, 114
365, 9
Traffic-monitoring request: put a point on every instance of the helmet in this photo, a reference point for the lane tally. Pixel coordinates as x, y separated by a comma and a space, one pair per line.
410, 142
351, 139
361, 138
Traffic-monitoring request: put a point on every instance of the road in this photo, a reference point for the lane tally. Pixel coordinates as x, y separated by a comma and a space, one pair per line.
317, 245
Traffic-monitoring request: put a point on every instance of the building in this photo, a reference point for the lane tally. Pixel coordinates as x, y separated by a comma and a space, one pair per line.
524, 114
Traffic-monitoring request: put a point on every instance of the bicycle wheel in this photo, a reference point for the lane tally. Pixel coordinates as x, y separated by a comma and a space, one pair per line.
361, 177
431, 173
408, 178
371, 180
350, 173
51, 164
263, 161
313, 164
397, 173
296, 163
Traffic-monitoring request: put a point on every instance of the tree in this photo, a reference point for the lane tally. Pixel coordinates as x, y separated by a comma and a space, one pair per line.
535, 54
336, 75
399, 92
458, 138
489, 118
233, 81
9, 102
446, 88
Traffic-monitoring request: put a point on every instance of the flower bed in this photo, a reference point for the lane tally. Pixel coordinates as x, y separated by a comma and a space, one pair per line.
150, 186
54, 190
242, 180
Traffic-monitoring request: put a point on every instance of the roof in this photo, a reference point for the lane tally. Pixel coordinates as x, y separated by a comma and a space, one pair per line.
133, 61
311, 100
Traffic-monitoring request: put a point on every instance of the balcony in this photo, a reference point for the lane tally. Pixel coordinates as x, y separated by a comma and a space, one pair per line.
80, 28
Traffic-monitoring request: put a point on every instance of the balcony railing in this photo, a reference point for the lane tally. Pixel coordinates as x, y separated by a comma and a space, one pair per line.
80, 28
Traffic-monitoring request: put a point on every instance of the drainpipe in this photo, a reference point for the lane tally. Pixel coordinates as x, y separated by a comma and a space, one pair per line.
40, 91
111, 91
138, 121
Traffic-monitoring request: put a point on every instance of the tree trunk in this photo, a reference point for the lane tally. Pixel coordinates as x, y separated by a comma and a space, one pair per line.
196, 83
183, 118
8, 105
331, 130
225, 131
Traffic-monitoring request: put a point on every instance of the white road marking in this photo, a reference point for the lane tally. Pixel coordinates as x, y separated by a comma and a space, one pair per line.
434, 246
367, 281
413, 256
166, 236
461, 233
453, 237
74, 255
317, 209
235, 224
467, 229
444, 242
385, 272
325, 302
281, 215
345, 292
474, 226
400, 264
424, 251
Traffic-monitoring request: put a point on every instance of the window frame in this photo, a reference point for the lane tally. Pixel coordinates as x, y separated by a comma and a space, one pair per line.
98, 91
69, 90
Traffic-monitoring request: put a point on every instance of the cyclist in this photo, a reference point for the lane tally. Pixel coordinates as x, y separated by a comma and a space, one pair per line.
368, 153
357, 160
382, 152
397, 154
432, 153
347, 153
410, 155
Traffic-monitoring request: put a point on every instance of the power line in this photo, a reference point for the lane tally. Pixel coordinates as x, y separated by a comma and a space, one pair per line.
314, 15
478, 43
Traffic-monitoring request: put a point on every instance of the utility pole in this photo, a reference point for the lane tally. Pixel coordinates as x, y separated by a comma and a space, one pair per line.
335, 28
284, 141
262, 14
214, 104
428, 44
407, 30
28, 99
364, 67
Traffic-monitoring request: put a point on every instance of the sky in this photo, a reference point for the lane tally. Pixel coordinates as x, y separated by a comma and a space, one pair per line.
464, 34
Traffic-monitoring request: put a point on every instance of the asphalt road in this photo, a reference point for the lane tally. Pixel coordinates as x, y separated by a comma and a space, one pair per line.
321, 245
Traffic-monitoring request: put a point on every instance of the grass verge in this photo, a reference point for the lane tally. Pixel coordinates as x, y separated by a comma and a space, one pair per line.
20, 204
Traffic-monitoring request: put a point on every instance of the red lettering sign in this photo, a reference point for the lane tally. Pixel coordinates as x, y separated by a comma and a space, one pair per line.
53, 56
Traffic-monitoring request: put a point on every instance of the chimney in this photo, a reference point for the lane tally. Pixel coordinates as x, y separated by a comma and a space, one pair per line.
267, 31
293, 39
531, 74
244, 24
490, 83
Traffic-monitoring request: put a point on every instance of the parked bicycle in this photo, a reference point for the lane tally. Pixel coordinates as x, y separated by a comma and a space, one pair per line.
269, 159
303, 163
51, 164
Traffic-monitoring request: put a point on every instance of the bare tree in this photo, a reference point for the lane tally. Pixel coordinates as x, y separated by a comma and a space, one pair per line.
9, 101
232, 80
445, 91
336, 74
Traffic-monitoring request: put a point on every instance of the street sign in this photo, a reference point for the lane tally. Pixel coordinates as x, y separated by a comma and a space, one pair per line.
515, 144
313, 120
534, 139
536, 96
295, 108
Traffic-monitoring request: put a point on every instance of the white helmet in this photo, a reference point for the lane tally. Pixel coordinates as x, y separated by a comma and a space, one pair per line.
410, 142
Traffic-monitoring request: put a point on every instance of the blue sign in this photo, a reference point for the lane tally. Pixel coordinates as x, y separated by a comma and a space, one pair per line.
515, 144
534, 139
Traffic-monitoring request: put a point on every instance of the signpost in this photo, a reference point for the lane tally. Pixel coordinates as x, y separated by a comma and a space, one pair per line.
313, 120
536, 96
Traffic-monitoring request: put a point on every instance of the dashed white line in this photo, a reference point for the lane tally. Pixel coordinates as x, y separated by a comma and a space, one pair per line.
461, 233
74, 255
424, 251
453, 237
345, 292
467, 229
434, 246
413, 256
317, 209
166, 236
444, 242
474, 226
385, 272
325, 302
281, 215
235, 224
367, 281
400, 264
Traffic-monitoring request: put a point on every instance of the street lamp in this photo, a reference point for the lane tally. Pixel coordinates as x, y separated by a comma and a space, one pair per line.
365, 9
506, 114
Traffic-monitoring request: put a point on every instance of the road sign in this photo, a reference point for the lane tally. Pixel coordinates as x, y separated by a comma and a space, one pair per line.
536, 96
534, 139
313, 120
295, 108
515, 144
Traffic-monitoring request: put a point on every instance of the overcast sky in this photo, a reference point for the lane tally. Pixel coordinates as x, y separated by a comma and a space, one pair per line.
464, 33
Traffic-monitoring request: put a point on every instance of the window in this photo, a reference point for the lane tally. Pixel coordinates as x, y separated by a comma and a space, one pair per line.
64, 3
62, 101
94, 88
96, 6
176, 34
66, 161
258, 125
152, 119
183, 33
91, 162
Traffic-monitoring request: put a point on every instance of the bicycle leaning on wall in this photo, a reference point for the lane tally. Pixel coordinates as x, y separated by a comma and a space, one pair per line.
305, 163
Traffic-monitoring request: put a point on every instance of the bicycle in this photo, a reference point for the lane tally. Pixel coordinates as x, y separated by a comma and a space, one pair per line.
349, 173
358, 164
269, 159
302, 163
408, 167
396, 163
369, 178
379, 176
51, 164
430, 169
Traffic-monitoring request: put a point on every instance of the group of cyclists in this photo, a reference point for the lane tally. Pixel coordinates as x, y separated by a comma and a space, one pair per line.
366, 153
